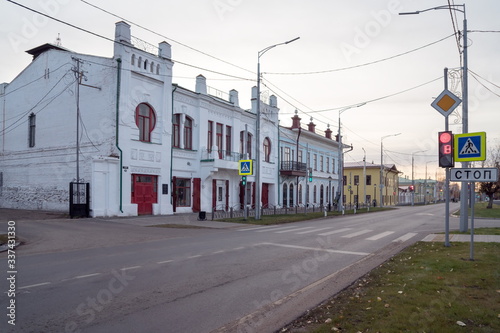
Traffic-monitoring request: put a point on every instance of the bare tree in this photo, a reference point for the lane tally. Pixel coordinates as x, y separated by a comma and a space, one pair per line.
490, 188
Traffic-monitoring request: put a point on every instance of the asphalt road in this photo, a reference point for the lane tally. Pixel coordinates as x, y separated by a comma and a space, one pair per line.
110, 277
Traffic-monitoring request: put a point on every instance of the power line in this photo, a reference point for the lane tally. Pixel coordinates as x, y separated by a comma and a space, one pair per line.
362, 65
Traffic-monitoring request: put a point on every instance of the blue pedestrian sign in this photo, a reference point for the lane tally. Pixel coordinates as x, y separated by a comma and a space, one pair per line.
470, 147
246, 167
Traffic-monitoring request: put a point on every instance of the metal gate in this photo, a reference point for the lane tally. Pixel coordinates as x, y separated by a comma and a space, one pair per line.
79, 200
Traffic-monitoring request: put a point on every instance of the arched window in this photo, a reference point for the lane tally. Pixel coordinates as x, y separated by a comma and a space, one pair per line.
145, 119
321, 195
188, 133
248, 143
146, 64
291, 195
176, 131
267, 150
132, 61
300, 194
285, 195
152, 67
158, 69
315, 197
139, 62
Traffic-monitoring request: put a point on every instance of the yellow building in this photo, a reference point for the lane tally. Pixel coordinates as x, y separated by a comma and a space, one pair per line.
369, 191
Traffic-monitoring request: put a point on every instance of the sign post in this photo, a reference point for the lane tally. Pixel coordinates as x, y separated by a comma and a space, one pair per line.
473, 175
245, 169
445, 104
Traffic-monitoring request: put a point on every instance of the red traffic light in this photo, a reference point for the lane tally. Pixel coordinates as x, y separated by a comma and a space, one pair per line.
445, 137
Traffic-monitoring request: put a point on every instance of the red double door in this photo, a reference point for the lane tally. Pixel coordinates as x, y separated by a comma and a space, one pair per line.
145, 193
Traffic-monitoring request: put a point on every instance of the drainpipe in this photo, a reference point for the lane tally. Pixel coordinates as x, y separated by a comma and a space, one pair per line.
118, 83
172, 147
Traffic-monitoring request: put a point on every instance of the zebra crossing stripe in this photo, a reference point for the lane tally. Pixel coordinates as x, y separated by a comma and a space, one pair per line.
404, 238
314, 230
334, 232
354, 234
292, 230
381, 235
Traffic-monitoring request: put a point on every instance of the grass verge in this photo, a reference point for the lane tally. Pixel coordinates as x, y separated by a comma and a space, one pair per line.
425, 288
292, 217
480, 210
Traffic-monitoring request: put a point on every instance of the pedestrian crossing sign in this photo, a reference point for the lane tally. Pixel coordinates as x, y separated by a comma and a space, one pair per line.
470, 147
246, 167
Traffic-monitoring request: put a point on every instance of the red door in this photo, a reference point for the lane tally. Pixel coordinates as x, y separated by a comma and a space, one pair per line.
196, 195
144, 193
265, 195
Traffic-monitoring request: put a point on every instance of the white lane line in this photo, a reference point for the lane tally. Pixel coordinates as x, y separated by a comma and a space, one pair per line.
164, 262
86, 276
257, 228
354, 234
316, 249
34, 285
381, 235
334, 232
314, 230
129, 268
277, 228
218, 252
196, 256
404, 238
239, 248
292, 230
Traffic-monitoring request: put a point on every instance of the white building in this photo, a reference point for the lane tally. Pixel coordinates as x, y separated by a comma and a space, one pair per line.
145, 145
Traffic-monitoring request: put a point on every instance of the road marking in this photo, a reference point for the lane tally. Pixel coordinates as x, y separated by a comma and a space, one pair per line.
277, 228
292, 230
315, 249
257, 228
404, 238
196, 256
164, 262
129, 268
314, 230
35, 285
86, 276
334, 232
239, 248
354, 234
382, 235
218, 252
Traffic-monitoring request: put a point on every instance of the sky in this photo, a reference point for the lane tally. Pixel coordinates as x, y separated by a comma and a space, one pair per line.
358, 60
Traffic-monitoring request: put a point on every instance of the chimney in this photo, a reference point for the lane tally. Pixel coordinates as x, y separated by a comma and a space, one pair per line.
165, 50
296, 120
233, 97
328, 132
311, 126
122, 32
201, 85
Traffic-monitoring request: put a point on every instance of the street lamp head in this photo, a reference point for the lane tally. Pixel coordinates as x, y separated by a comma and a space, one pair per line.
292, 40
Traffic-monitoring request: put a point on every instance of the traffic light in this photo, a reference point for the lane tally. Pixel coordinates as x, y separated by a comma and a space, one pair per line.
446, 149
310, 176
243, 180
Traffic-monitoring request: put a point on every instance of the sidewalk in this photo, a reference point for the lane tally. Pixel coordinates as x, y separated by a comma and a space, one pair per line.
462, 238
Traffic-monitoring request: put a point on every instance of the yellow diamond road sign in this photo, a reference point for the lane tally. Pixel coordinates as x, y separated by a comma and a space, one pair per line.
446, 102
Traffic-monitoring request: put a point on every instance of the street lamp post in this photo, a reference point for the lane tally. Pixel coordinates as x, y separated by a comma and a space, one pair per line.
340, 204
465, 105
364, 176
413, 176
382, 167
257, 130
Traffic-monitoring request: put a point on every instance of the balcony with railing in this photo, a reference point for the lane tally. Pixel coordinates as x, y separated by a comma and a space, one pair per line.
293, 168
221, 159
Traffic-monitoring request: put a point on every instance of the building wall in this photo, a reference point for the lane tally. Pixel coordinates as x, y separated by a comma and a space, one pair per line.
38, 177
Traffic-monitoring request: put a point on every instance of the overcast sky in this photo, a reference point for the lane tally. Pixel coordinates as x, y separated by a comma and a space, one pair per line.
349, 53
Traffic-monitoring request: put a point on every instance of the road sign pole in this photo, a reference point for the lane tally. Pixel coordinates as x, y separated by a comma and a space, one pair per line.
473, 200
446, 188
